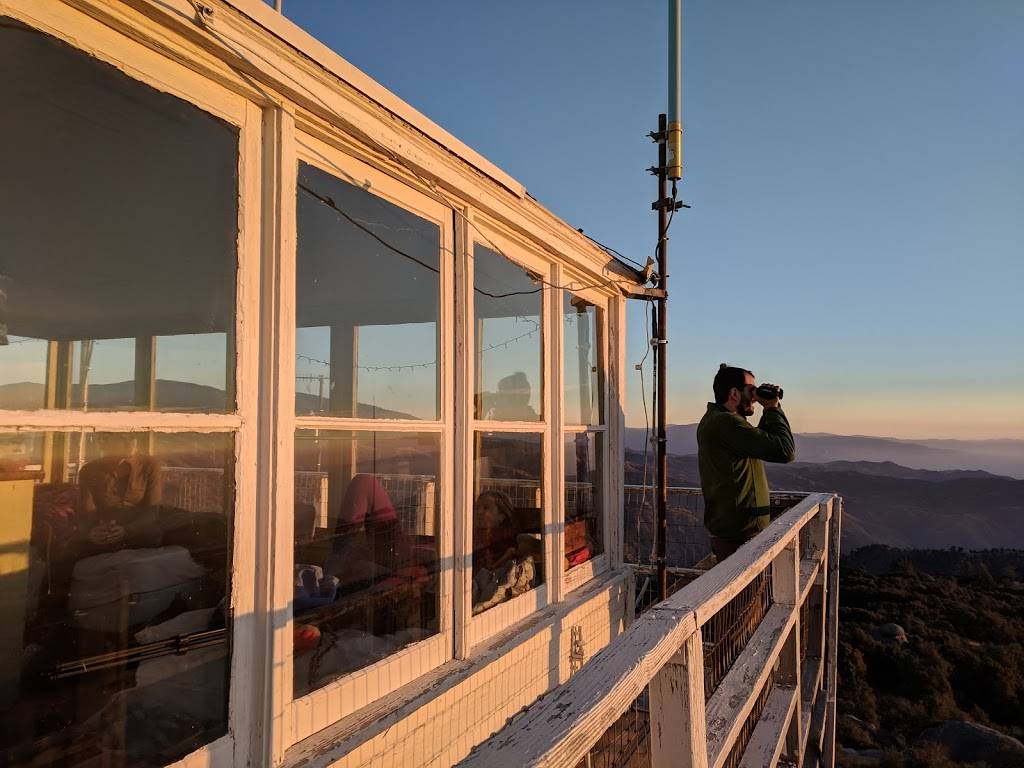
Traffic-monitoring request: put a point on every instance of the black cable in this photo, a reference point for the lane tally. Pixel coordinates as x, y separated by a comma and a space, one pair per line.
610, 250
395, 158
329, 202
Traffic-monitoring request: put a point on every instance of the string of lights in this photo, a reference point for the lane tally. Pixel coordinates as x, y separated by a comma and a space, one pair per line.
414, 366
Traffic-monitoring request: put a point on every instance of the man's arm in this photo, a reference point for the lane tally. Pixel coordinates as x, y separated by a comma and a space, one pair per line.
771, 440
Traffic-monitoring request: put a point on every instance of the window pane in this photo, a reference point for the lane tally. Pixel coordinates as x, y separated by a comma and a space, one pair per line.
583, 379
190, 372
367, 304
367, 571
118, 218
584, 507
509, 339
508, 517
114, 567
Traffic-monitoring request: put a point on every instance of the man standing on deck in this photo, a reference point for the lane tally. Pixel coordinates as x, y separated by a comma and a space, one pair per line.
730, 452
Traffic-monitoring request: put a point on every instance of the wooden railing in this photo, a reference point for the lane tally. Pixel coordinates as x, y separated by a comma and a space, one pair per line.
775, 702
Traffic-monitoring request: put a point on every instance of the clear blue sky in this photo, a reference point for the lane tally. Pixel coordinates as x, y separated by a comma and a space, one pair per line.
856, 172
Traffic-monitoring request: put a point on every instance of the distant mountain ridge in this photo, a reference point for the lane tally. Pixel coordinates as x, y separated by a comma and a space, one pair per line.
889, 504
170, 395
1000, 457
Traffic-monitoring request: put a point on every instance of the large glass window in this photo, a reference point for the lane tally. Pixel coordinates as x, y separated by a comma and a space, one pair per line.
119, 224
118, 219
507, 302
367, 304
584, 508
583, 380
367, 546
508, 517
114, 563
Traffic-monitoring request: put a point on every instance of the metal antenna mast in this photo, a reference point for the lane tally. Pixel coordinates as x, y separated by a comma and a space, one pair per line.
669, 138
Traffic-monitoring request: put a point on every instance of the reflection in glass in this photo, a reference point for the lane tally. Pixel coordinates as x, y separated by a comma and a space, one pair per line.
508, 517
509, 341
113, 587
584, 509
582, 379
367, 577
118, 218
367, 304
191, 372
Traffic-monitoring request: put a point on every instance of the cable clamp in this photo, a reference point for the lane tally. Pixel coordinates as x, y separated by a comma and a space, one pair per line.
204, 14
668, 202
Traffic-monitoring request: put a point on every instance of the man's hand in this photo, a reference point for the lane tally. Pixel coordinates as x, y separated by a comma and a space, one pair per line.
106, 533
766, 402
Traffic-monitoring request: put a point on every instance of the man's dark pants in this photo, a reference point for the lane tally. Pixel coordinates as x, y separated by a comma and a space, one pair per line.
723, 547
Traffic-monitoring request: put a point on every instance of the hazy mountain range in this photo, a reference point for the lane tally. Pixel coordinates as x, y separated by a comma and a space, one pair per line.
886, 503
170, 396
1001, 457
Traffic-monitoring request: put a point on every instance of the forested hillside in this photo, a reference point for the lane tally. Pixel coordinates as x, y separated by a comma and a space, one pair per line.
931, 659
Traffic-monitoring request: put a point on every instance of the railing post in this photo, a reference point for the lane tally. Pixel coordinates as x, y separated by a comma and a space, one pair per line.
832, 626
676, 694
786, 591
820, 539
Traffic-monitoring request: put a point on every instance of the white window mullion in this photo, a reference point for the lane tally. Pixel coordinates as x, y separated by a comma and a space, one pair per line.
276, 460
123, 421
244, 714
464, 343
366, 425
615, 388
555, 517
448, 391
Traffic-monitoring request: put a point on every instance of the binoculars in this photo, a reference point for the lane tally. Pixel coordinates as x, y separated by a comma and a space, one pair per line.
769, 391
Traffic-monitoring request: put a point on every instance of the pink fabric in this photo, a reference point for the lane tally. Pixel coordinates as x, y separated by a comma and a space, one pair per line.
367, 503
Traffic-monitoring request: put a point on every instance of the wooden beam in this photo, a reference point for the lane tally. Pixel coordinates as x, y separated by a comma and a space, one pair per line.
786, 590
737, 693
832, 624
717, 587
678, 735
809, 569
145, 372
561, 728
766, 742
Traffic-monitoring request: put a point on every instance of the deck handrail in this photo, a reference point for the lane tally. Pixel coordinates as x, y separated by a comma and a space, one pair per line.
662, 649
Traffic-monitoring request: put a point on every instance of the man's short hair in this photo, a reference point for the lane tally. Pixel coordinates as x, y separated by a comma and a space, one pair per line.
729, 376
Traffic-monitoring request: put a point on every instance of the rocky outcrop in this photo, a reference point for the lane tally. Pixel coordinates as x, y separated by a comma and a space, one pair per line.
970, 742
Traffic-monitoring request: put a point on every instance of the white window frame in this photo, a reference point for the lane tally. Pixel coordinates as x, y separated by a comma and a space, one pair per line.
153, 69
577, 576
316, 710
477, 629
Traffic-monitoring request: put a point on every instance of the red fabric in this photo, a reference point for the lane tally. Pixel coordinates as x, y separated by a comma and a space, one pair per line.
306, 638
579, 556
55, 510
489, 544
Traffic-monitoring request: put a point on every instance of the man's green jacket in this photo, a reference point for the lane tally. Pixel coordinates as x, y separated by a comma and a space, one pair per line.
729, 453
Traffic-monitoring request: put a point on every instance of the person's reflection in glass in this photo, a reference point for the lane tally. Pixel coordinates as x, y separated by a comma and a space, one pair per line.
120, 496
500, 570
512, 400
494, 535
367, 536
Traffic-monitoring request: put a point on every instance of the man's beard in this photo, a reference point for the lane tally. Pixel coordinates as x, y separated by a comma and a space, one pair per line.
746, 407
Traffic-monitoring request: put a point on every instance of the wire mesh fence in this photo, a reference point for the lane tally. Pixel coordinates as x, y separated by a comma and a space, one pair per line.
626, 744
727, 633
747, 730
687, 542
